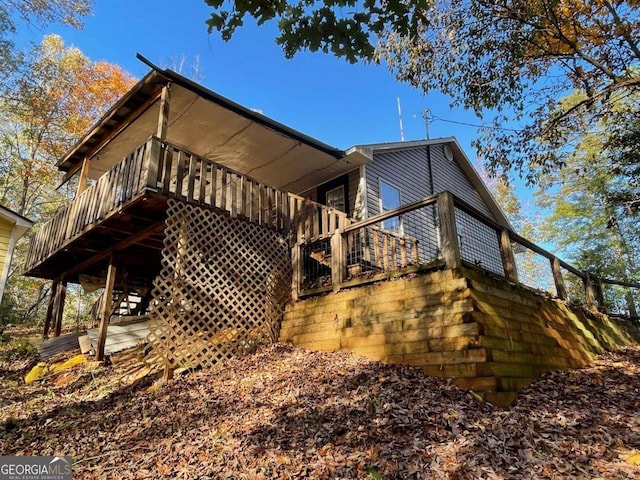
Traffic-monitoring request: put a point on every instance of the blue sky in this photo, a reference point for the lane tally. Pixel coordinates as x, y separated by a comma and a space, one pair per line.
325, 97
322, 96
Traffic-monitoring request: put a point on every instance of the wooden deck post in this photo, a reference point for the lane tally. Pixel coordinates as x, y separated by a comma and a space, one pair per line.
597, 291
589, 293
296, 273
338, 261
448, 231
561, 289
631, 304
58, 311
106, 310
508, 259
163, 117
50, 307
84, 175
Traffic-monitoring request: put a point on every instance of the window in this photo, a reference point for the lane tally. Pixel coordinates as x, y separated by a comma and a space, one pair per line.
335, 198
390, 200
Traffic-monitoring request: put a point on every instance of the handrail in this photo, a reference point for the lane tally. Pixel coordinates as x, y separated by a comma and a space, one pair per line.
113, 189
391, 213
450, 247
198, 180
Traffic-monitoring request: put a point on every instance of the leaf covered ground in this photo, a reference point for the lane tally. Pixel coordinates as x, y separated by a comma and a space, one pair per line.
285, 412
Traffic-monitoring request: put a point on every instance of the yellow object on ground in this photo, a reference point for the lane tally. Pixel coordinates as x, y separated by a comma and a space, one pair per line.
36, 373
73, 361
632, 458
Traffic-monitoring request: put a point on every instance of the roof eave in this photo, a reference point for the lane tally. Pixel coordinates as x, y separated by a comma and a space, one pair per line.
159, 76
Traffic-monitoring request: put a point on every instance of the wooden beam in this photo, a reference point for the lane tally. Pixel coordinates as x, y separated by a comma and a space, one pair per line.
58, 311
104, 254
589, 293
106, 310
448, 231
338, 261
163, 116
561, 289
52, 299
383, 216
508, 259
84, 175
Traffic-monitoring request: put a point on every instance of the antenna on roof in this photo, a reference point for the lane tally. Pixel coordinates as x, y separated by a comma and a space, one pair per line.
400, 117
426, 114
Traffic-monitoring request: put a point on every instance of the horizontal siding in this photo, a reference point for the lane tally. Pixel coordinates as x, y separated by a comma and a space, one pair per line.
5, 239
406, 169
409, 170
353, 189
448, 176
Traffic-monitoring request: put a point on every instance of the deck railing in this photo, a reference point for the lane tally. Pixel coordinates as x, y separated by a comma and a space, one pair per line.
442, 231
110, 192
189, 177
165, 169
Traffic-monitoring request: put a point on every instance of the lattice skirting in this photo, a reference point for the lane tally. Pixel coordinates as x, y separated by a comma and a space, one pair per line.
222, 289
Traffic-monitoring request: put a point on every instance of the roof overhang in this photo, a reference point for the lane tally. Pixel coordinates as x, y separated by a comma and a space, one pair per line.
20, 223
211, 126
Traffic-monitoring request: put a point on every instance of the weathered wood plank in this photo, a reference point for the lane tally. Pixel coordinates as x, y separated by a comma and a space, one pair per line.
180, 164
448, 231
191, 184
223, 188
168, 166
106, 310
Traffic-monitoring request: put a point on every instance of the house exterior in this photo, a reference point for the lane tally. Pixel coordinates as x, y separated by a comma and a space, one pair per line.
220, 217
398, 174
12, 227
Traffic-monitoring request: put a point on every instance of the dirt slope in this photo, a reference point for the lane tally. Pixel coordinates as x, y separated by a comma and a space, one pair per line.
285, 412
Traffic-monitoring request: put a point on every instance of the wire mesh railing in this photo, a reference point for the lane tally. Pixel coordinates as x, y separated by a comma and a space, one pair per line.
444, 230
620, 300
478, 242
574, 287
534, 269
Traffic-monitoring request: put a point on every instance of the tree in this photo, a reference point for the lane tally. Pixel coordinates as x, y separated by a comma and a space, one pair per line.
34, 12
511, 58
55, 96
588, 221
344, 27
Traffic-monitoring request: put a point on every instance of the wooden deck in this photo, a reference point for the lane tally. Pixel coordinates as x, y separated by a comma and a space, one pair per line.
123, 213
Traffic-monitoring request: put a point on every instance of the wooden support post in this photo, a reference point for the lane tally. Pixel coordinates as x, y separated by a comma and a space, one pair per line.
106, 309
589, 293
561, 289
50, 308
296, 259
163, 117
631, 304
61, 296
508, 259
151, 169
167, 373
448, 231
338, 261
84, 175
597, 290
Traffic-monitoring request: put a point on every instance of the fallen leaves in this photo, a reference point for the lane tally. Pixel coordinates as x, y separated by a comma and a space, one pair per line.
285, 412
